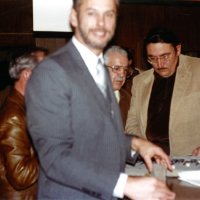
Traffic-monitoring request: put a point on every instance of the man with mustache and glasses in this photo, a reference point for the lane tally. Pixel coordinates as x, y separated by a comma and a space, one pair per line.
116, 60
165, 104
75, 122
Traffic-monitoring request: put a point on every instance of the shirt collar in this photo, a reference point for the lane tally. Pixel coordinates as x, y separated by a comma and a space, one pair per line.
87, 53
117, 95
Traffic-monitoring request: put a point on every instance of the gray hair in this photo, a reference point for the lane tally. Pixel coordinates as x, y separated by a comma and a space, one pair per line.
76, 3
114, 49
25, 61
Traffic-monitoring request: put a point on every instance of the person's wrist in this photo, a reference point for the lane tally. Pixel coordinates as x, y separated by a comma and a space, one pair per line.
136, 143
129, 187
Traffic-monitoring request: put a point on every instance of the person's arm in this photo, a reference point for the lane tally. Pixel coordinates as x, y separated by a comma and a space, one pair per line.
196, 152
142, 188
147, 188
20, 161
149, 151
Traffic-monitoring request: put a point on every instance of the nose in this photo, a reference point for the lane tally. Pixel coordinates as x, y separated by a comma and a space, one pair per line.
159, 62
100, 20
122, 72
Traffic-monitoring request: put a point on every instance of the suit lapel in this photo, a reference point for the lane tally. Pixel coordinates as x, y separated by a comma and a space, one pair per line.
145, 98
80, 72
183, 76
107, 105
89, 85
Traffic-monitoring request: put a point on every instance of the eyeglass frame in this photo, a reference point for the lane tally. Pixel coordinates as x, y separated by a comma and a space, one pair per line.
164, 58
113, 67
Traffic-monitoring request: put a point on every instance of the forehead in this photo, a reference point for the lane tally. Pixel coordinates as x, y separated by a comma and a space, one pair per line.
159, 48
99, 4
39, 53
117, 57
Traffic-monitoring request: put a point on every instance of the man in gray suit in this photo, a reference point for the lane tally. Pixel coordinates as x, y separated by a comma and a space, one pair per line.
75, 123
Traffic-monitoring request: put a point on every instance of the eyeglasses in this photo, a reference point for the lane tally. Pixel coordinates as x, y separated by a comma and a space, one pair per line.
118, 68
163, 58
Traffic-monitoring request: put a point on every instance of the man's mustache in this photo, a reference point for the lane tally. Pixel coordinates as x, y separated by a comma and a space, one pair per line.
163, 68
119, 78
100, 30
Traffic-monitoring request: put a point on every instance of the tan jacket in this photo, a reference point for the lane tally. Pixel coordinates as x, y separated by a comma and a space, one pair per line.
184, 125
18, 163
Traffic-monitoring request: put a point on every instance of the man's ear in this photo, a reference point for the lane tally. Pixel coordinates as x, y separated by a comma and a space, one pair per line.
26, 73
178, 49
73, 18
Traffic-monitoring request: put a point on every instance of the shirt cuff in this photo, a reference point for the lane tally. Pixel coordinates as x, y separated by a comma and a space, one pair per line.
133, 153
120, 186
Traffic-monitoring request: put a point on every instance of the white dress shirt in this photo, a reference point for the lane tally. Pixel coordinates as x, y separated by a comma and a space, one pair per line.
117, 95
87, 53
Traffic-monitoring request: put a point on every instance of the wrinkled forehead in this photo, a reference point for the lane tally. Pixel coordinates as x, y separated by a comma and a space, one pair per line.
118, 57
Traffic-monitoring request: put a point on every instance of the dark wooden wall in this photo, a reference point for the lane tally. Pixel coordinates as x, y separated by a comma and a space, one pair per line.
16, 23
134, 21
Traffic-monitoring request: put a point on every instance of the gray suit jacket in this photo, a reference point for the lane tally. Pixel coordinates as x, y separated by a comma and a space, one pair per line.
77, 133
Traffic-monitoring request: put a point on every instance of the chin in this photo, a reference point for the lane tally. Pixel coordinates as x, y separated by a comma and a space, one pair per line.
164, 73
118, 87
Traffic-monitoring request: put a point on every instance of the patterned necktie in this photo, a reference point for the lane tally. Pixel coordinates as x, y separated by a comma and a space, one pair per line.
101, 77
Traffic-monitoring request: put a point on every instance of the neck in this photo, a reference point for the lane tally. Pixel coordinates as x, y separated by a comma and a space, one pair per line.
20, 87
96, 51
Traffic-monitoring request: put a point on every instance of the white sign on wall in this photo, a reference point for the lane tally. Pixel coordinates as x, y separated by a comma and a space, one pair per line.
51, 15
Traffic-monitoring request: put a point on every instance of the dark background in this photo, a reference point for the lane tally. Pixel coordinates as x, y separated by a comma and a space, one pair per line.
135, 19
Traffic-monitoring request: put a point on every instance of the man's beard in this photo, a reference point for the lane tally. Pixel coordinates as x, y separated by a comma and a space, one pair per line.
93, 43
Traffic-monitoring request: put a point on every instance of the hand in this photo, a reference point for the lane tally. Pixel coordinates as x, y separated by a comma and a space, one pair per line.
147, 188
148, 151
196, 152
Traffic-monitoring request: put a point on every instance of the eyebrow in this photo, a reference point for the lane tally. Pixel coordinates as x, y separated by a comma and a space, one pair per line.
149, 55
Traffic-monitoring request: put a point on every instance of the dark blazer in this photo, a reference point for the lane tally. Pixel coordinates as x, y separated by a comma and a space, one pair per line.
77, 133
124, 104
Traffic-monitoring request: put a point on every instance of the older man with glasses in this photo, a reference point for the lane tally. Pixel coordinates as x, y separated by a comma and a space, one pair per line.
116, 60
165, 104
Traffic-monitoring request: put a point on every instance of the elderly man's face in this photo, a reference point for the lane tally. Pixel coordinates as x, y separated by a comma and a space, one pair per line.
117, 66
163, 57
94, 22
